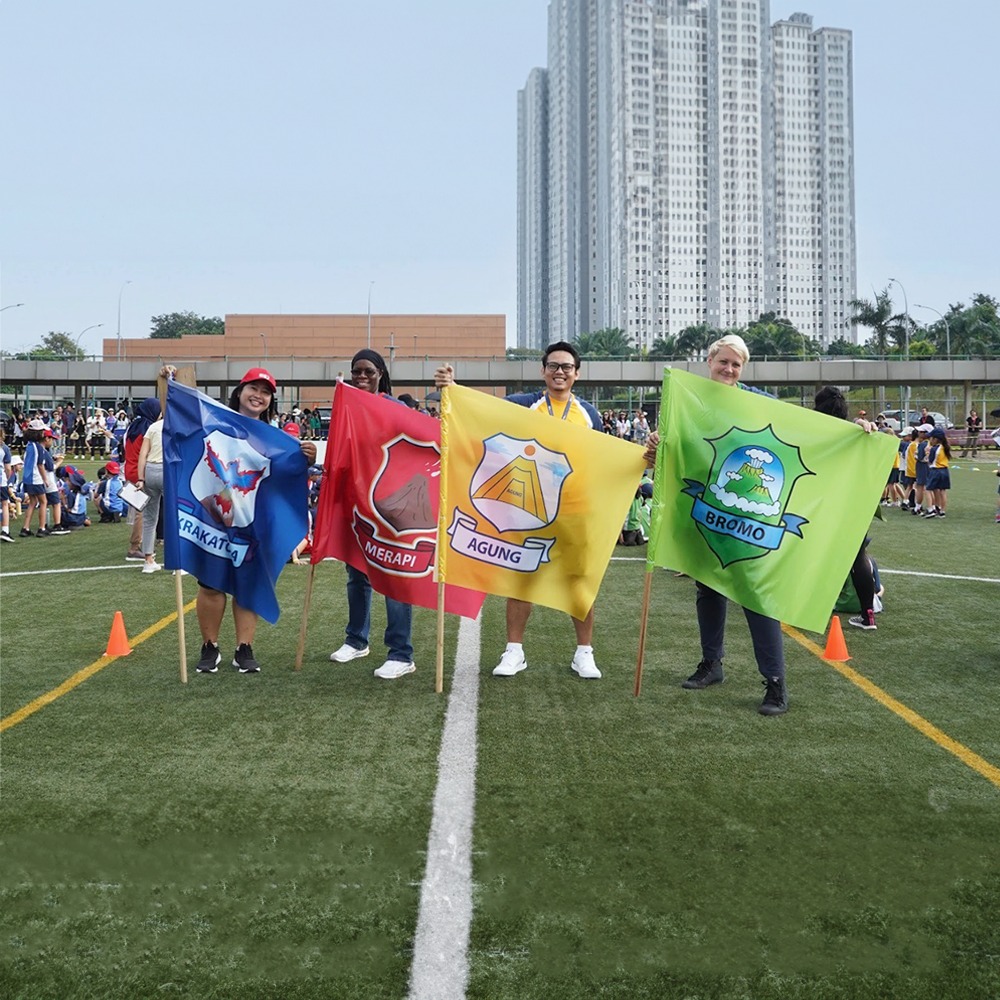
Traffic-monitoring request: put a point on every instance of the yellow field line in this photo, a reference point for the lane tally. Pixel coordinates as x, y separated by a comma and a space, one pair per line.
943, 740
81, 675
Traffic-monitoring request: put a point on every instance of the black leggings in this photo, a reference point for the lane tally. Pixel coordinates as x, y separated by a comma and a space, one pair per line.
863, 579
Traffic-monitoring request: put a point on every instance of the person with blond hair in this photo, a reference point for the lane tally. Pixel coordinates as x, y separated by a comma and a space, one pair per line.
726, 359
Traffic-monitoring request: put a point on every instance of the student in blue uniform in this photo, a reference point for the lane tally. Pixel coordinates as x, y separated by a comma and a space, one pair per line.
33, 479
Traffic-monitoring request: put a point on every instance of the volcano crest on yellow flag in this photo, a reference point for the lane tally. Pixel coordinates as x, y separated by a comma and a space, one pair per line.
531, 506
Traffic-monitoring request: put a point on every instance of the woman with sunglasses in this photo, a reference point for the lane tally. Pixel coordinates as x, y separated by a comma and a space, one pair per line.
370, 374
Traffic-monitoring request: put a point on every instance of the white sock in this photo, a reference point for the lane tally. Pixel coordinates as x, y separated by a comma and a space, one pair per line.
515, 647
584, 649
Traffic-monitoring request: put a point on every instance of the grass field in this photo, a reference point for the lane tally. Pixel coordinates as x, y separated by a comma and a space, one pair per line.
267, 836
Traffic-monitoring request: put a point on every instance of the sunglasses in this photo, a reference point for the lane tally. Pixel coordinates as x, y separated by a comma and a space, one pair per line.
370, 372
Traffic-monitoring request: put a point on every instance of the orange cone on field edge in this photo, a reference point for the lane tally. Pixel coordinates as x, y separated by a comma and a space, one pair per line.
836, 648
118, 640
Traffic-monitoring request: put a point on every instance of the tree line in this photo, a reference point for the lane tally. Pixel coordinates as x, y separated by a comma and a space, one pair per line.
964, 331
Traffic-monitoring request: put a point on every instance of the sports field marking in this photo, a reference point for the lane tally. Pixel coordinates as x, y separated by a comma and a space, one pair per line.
441, 945
81, 675
937, 576
69, 569
892, 572
943, 740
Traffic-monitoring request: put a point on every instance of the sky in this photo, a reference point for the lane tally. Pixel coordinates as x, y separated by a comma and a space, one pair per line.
310, 156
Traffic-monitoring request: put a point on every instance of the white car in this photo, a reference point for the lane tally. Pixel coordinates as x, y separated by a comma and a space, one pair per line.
891, 418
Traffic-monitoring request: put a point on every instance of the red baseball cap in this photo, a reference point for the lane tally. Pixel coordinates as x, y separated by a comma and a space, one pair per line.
47, 433
113, 468
291, 428
260, 375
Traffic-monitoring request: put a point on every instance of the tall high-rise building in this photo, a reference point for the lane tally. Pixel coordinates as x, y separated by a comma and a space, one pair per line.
698, 168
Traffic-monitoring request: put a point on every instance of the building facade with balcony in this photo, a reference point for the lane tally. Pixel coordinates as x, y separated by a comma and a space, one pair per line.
699, 170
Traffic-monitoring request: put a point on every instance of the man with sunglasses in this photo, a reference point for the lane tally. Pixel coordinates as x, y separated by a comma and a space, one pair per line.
560, 370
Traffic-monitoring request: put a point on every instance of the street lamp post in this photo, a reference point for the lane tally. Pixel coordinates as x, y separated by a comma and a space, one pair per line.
118, 334
16, 305
264, 340
370, 314
906, 316
947, 335
947, 325
906, 331
93, 326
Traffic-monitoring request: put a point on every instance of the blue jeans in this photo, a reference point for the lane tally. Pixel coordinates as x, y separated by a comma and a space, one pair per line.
399, 617
768, 644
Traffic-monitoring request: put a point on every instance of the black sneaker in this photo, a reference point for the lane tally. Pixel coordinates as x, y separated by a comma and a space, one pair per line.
25, 533
708, 672
59, 529
43, 533
775, 697
210, 659
5, 536
865, 620
243, 659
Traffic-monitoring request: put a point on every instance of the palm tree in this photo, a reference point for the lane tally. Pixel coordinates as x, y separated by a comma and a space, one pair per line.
663, 348
695, 339
878, 317
610, 342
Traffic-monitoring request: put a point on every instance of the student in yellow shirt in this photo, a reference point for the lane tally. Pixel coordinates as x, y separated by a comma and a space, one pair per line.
938, 474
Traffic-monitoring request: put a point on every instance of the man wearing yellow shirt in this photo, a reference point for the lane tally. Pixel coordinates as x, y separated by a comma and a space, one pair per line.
560, 370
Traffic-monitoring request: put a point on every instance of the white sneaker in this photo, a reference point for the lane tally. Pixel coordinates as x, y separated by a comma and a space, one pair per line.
583, 664
151, 567
347, 652
393, 669
512, 662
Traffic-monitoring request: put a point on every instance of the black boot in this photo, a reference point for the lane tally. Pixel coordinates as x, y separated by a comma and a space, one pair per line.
775, 697
708, 672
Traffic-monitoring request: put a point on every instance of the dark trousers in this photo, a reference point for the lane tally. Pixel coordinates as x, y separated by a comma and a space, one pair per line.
768, 645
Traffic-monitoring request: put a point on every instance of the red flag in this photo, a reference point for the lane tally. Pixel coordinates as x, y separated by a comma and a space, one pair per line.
378, 505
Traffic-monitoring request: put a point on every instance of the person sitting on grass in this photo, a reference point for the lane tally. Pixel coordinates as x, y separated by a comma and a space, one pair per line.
109, 501
75, 503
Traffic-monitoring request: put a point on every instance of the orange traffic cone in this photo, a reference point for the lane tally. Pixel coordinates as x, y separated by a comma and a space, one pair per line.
118, 640
836, 648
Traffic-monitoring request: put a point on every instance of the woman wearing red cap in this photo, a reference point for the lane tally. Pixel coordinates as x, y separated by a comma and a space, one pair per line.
254, 398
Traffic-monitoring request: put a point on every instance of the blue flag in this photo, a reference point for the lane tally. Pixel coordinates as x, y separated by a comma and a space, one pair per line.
235, 498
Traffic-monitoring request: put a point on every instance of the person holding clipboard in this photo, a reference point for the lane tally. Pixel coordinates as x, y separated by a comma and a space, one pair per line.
149, 479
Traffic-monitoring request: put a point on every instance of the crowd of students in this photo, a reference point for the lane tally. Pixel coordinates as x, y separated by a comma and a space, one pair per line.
49, 496
921, 477
96, 433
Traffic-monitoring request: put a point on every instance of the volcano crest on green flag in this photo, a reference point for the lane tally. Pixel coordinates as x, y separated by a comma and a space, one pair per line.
765, 502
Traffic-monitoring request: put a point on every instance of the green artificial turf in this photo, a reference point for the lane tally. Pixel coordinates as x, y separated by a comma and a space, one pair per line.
265, 836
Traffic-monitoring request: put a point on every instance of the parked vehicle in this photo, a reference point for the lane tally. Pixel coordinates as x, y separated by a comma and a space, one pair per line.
324, 419
892, 419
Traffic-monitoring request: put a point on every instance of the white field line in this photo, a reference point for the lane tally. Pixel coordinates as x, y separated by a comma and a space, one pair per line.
881, 569
440, 969
70, 569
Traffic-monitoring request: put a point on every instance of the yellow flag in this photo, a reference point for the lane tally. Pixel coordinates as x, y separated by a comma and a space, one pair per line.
531, 506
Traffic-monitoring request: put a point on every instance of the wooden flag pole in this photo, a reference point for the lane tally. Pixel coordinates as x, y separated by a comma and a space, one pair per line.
182, 642
300, 652
643, 619
439, 668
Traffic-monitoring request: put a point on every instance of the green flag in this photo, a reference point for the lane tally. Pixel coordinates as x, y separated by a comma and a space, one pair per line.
763, 501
